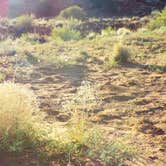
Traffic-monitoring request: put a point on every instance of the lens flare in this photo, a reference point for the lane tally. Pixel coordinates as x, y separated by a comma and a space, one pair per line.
4, 4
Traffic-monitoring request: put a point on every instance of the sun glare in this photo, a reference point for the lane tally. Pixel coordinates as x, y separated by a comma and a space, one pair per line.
3, 7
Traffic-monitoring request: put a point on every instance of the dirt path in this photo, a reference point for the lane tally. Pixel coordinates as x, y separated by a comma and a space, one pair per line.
133, 102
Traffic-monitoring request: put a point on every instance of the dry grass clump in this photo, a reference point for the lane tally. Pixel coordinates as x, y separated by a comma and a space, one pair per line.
121, 55
123, 32
86, 99
19, 117
8, 47
51, 54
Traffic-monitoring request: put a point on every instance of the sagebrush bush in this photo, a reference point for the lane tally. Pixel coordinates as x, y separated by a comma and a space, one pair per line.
73, 12
33, 38
158, 20
66, 34
120, 55
123, 31
19, 118
86, 99
23, 24
49, 54
4, 21
8, 47
108, 31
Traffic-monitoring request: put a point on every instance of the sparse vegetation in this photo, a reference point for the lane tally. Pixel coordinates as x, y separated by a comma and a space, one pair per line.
23, 126
62, 101
7, 48
40, 55
66, 34
23, 24
158, 20
120, 55
86, 100
33, 38
108, 32
20, 119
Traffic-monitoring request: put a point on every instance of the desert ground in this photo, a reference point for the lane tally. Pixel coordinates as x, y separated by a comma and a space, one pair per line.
104, 75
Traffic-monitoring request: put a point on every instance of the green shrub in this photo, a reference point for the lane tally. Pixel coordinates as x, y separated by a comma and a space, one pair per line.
161, 30
8, 47
115, 152
49, 54
120, 55
158, 20
66, 34
23, 24
158, 68
73, 12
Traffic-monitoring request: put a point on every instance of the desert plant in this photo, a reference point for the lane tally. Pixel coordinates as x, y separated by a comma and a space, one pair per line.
158, 20
7, 47
115, 152
86, 99
4, 21
123, 31
2, 76
66, 34
158, 68
22, 126
120, 55
108, 31
84, 140
55, 60
33, 38
19, 118
48, 54
23, 24
73, 12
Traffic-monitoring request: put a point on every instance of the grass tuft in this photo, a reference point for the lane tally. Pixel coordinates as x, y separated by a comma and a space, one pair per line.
121, 55
66, 34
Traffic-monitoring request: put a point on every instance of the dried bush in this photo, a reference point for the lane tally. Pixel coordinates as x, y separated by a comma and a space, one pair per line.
19, 118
